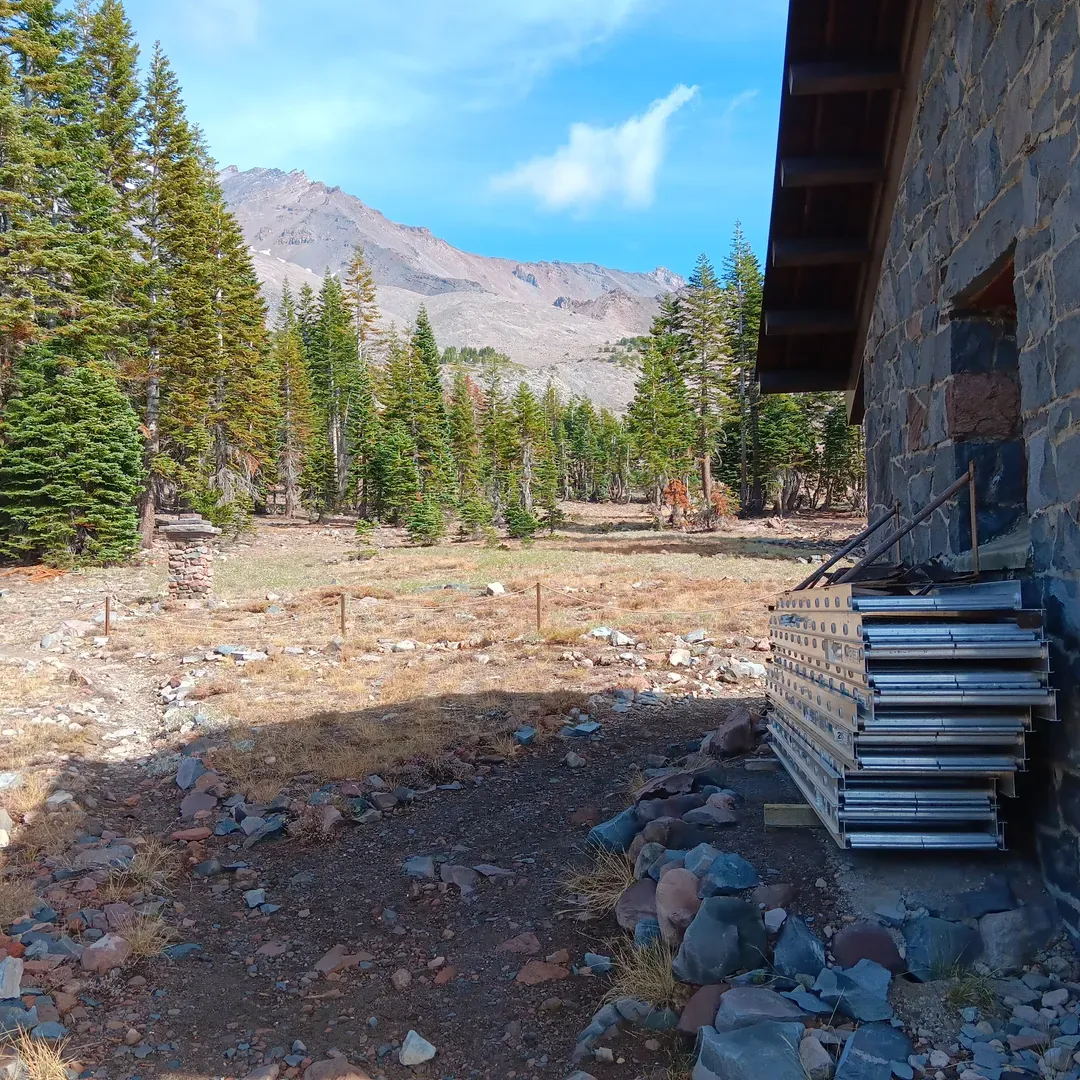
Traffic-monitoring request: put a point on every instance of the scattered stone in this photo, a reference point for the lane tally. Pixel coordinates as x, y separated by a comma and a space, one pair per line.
936, 948
536, 972
11, 971
525, 735
816, 1061
798, 951
646, 931
868, 1054
335, 1068
768, 1049
711, 815
1011, 939
495, 588
401, 979
336, 959
774, 919
700, 1010
734, 736
600, 965
420, 866
636, 903
861, 993
727, 874
617, 834
527, 944
195, 802
191, 768
574, 761
254, 897
464, 877
726, 935
864, 942
415, 1050
679, 658
994, 896
106, 953
773, 896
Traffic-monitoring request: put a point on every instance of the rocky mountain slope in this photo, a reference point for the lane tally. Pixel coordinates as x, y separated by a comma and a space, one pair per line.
549, 317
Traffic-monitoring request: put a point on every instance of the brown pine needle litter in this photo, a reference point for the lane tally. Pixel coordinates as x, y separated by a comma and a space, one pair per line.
645, 974
595, 889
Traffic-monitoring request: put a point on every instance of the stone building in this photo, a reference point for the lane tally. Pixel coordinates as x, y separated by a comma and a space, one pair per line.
925, 257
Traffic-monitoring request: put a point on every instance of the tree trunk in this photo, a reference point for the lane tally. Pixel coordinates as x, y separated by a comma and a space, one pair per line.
148, 503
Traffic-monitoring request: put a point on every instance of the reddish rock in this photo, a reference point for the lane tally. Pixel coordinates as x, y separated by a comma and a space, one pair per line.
527, 944
676, 903
335, 1068
330, 818
275, 948
536, 972
586, 815
106, 953
444, 976
117, 916
337, 959
661, 786
263, 1072
560, 956
773, 896
734, 736
865, 942
196, 802
637, 903
199, 832
721, 800
401, 979
700, 1010
651, 809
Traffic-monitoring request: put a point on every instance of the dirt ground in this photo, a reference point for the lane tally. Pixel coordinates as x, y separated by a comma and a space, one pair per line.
424, 688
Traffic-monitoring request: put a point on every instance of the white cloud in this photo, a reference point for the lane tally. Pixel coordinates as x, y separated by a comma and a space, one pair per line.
599, 163
218, 23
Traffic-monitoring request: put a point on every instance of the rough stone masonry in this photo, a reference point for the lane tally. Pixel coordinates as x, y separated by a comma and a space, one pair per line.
191, 557
959, 371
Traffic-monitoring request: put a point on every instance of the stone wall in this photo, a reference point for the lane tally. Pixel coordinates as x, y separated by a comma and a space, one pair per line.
191, 558
992, 178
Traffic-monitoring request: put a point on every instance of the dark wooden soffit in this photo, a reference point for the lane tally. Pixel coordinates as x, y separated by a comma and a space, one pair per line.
851, 79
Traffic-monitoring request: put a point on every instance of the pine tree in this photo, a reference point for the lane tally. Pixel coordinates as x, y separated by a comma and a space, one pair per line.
703, 328
363, 433
296, 414
395, 479
70, 464
425, 524
464, 435
530, 438
362, 302
423, 342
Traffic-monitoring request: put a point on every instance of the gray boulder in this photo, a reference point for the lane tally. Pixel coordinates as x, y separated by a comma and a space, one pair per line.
869, 1053
725, 936
798, 950
727, 874
743, 1006
937, 949
862, 992
1012, 938
768, 1049
648, 855
618, 833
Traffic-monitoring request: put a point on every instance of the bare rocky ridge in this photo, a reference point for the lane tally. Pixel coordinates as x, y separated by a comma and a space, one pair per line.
549, 317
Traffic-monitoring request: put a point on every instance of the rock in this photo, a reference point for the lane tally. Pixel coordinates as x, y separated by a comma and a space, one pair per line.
994, 896
889, 906
636, 903
939, 1059
525, 735
336, 959
774, 919
674, 806
49, 1029
254, 897
773, 896
420, 866
936, 949
728, 873
574, 761
401, 980
861, 992
742, 1006
699, 859
679, 658
868, 1054
191, 768
617, 834
119, 855
263, 1072
105, 954
1012, 938
816, 1061
734, 736
725, 936
799, 951
464, 877
195, 802
415, 1050
711, 815
11, 970
677, 903
598, 964
646, 931
765, 1050
495, 588
648, 855
579, 1075
865, 942
335, 1068
536, 972
527, 944
700, 1010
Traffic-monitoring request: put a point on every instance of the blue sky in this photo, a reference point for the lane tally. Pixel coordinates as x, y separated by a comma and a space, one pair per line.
631, 133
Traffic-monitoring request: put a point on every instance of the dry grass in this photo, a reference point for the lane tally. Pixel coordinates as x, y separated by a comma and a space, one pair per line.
48, 833
148, 935
29, 795
645, 974
17, 896
38, 743
596, 889
966, 988
152, 870
41, 1059
21, 688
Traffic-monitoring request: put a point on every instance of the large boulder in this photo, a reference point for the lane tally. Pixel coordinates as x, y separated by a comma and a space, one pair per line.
107, 952
734, 736
938, 949
726, 935
869, 1053
1012, 938
866, 942
673, 807
677, 903
765, 1050
798, 950
700, 1010
861, 993
728, 874
636, 903
743, 1006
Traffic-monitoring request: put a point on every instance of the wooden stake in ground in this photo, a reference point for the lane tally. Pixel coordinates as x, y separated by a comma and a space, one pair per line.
342, 613
538, 609
108, 615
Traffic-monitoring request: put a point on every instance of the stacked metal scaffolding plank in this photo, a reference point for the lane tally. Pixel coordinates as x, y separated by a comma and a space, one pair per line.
901, 715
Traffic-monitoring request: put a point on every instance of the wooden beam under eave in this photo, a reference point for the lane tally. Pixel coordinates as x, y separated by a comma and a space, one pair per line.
825, 251
812, 321
799, 172
801, 381
841, 78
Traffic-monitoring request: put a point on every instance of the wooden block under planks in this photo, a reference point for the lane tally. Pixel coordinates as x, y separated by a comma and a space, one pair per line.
781, 815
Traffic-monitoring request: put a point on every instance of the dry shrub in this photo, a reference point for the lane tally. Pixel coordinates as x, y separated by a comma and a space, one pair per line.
645, 974
40, 742
148, 935
220, 684
41, 1059
595, 890
48, 833
152, 870
17, 896
29, 795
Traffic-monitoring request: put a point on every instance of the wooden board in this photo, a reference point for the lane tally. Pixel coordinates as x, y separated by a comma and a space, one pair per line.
791, 816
